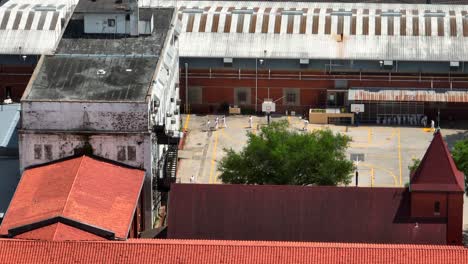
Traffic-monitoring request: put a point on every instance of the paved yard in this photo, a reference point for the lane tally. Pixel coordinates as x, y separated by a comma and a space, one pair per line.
387, 151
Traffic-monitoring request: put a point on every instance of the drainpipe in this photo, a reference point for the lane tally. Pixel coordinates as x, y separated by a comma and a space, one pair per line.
186, 88
256, 84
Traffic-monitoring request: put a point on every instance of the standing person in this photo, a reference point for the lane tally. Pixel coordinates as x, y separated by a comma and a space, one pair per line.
224, 121
306, 123
432, 124
250, 121
208, 125
216, 123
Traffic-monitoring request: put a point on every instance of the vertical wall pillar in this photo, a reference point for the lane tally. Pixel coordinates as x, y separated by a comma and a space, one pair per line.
454, 218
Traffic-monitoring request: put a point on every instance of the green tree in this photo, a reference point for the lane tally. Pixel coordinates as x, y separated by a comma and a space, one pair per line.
414, 165
278, 155
460, 156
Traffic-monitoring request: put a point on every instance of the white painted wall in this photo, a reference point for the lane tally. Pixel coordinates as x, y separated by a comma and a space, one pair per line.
82, 116
98, 23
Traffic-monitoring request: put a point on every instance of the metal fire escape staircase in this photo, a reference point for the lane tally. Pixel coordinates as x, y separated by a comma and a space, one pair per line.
169, 169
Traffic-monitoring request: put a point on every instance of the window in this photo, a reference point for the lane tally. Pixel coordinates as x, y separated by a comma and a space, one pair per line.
290, 98
242, 97
126, 153
195, 95
121, 155
48, 152
37, 151
437, 208
8, 92
131, 151
111, 22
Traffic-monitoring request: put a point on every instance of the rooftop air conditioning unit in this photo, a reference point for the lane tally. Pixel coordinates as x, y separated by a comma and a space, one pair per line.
168, 114
227, 61
304, 61
388, 63
173, 121
454, 64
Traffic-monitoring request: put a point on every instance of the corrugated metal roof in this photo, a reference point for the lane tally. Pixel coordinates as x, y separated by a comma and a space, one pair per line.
418, 95
32, 26
9, 117
413, 32
297, 213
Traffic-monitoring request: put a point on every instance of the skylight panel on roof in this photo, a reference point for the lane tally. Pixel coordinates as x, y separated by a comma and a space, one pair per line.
243, 11
434, 14
341, 13
292, 12
192, 11
391, 13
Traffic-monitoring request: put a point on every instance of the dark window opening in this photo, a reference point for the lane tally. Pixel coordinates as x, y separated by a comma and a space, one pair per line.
121, 155
8, 92
291, 98
48, 152
37, 151
127, 17
131, 151
111, 22
242, 97
437, 208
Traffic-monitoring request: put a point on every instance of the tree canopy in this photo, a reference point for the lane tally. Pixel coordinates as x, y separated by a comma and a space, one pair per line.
460, 156
278, 155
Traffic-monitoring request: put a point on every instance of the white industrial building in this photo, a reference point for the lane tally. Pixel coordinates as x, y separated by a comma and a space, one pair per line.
112, 94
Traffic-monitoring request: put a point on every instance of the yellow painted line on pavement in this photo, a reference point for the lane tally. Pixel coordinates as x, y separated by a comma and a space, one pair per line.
369, 136
395, 181
213, 158
187, 119
399, 156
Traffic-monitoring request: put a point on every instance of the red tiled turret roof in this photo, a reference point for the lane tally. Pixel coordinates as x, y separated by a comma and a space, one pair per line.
437, 171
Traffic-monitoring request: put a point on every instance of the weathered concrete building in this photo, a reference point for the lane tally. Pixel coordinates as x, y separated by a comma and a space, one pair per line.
114, 95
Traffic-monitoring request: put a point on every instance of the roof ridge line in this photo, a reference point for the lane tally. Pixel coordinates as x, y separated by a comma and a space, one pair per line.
288, 244
72, 186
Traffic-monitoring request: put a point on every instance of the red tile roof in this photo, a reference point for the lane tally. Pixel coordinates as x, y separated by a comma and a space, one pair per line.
59, 232
297, 213
84, 189
437, 171
202, 251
